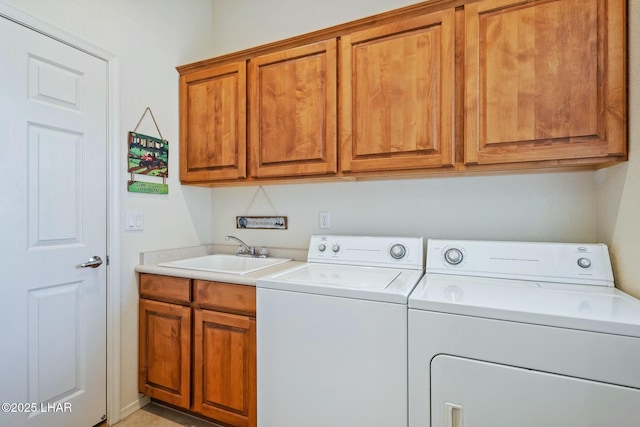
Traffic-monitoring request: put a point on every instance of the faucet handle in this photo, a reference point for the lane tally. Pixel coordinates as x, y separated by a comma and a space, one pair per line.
240, 250
264, 252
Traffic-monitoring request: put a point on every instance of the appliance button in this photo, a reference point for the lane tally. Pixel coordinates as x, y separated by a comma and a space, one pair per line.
453, 256
335, 248
398, 251
322, 247
584, 262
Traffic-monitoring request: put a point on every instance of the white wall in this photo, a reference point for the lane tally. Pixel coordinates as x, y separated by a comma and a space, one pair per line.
241, 24
618, 188
552, 206
150, 37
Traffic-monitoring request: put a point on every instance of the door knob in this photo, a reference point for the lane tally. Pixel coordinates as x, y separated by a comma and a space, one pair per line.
93, 262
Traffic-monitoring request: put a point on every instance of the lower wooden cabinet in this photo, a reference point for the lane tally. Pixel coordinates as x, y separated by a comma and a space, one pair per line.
198, 347
165, 348
224, 367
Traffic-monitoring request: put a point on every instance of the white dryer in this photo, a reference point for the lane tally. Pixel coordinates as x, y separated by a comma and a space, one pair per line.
516, 334
332, 334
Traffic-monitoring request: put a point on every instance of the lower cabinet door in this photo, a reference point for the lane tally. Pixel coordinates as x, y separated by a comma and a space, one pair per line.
165, 343
224, 380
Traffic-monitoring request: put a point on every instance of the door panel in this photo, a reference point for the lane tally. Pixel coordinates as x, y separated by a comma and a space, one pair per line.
53, 139
164, 352
55, 204
53, 83
213, 123
544, 80
397, 93
55, 360
466, 392
292, 99
225, 355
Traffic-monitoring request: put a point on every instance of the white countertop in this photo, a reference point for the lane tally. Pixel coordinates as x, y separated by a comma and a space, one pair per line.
149, 263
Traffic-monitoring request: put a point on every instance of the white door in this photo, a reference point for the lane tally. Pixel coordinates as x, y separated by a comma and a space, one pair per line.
53, 157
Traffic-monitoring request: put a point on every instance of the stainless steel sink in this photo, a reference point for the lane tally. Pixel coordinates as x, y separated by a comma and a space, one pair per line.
223, 263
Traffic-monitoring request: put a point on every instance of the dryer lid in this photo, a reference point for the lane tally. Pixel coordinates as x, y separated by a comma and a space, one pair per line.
590, 308
557, 284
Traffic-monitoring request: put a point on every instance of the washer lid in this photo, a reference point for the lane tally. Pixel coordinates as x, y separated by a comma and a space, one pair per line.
369, 283
590, 308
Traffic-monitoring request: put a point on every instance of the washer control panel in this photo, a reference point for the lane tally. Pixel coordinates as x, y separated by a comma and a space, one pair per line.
546, 262
399, 252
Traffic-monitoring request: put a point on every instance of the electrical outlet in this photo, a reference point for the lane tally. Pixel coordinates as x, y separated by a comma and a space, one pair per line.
325, 220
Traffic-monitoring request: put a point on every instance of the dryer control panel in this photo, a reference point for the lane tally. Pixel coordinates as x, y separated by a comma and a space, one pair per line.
578, 263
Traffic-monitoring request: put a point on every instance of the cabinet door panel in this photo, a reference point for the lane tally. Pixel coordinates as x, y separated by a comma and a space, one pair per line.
292, 99
397, 95
539, 84
225, 363
164, 348
213, 123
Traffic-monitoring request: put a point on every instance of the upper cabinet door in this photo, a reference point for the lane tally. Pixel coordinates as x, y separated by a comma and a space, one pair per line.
397, 95
292, 108
213, 123
544, 80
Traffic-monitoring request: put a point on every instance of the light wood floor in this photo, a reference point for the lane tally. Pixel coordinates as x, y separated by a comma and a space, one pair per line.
154, 415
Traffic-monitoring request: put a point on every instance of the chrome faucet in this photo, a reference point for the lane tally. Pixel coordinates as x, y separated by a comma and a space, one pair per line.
243, 249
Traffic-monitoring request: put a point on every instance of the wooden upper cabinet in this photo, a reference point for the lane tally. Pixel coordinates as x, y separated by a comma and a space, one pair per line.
292, 111
397, 95
544, 80
213, 123
465, 85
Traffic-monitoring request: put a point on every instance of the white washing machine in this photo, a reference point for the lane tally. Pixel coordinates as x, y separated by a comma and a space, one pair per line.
515, 334
332, 334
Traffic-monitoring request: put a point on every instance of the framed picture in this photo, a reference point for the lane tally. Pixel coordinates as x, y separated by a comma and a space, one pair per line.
148, 155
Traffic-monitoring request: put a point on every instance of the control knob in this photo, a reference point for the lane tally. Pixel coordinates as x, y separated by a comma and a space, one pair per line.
322, 247
584, 262
398, 251
335, 248
453, 256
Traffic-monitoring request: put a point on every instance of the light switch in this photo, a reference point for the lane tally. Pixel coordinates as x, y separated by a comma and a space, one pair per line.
134, 221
